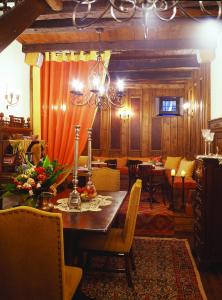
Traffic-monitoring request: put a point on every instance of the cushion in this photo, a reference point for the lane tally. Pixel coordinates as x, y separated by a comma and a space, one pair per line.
172, 162
121, 161
83, 160
187, 166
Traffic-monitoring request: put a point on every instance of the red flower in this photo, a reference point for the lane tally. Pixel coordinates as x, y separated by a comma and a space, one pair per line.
41, 177
40, 170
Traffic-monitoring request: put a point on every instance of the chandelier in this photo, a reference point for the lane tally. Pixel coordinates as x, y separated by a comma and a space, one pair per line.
124, 10
99, 90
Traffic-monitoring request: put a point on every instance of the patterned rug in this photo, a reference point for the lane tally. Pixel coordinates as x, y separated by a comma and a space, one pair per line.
165, 271
157, 220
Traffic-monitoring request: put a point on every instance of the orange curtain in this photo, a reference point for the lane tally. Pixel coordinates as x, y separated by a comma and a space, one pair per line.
58, 114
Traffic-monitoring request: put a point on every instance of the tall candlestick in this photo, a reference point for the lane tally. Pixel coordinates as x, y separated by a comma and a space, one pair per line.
74, 197
172, 173
90, 186
183, 192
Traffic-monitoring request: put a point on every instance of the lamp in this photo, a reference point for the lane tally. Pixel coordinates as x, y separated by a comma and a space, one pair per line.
99, 92
12, 99
124, 10
125, 113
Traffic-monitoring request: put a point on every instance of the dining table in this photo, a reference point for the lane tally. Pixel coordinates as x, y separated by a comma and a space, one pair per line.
92, 221
76, 224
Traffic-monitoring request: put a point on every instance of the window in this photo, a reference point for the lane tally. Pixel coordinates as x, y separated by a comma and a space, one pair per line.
169, 106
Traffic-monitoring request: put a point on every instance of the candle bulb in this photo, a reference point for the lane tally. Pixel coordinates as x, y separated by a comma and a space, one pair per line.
173, 172
183, 173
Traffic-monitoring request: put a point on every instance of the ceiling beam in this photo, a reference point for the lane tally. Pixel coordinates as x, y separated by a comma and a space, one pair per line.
157, 63
14, 22
148, 75
121, 45
56, 5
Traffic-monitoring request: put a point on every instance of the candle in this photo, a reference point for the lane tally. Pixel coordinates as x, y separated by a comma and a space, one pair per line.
173, 172
183, 173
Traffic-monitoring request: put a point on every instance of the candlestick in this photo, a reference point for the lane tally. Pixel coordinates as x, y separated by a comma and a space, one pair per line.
173, 172
172, 184
183, 173
74, 197
90, 186
183, 194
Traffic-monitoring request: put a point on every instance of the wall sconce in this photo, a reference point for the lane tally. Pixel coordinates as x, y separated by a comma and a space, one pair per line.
189, 108
125, 113
12, 99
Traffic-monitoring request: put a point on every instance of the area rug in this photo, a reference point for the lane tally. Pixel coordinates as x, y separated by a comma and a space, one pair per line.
165, 270
157, 220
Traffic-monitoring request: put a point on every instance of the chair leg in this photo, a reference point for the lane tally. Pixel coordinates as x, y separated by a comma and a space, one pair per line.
128, 274
132, 259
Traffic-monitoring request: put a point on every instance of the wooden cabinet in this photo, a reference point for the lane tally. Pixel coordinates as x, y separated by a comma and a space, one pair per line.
207, 208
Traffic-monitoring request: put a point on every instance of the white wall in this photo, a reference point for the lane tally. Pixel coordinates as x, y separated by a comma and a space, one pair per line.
14, 76
216, 82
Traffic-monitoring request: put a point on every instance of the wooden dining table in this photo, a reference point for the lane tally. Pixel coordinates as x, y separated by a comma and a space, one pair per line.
76, 224
92, 221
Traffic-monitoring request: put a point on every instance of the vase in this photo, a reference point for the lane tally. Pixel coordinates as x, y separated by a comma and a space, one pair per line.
33, 201
46, 203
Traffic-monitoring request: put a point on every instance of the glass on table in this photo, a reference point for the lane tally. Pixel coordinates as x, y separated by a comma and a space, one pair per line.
205, 135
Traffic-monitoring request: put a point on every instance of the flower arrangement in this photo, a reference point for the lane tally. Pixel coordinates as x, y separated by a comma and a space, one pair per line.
33, 180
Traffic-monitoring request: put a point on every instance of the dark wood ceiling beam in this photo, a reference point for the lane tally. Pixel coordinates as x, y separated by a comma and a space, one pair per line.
121, 45
14, 22
160, 63
138, 76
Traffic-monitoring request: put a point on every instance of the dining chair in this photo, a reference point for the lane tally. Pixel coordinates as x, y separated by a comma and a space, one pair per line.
106, 179
132, 171
32, 256
118, 241
111, 163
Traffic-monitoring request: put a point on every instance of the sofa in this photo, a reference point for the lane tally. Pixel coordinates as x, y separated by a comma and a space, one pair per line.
176, 163
122, 161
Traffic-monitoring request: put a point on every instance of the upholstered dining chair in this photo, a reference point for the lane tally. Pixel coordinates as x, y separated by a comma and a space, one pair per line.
118, 241
32, 256
106, 179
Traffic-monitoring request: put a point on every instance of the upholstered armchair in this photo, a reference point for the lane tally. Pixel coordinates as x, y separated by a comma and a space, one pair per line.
32, 256
118, 241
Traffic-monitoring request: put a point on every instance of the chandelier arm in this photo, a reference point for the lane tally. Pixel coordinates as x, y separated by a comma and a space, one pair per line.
120, 8
89, 8
185, 13
204, 10
78, 103
172, 16
122, 20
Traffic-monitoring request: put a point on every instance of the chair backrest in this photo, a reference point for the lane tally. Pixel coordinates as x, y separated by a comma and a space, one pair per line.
106, 179
131, 215
36, 153
133, 167
145, 171
83, 160
31, 254
111, 163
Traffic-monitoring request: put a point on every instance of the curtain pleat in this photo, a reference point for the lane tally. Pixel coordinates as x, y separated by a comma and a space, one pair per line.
58, 114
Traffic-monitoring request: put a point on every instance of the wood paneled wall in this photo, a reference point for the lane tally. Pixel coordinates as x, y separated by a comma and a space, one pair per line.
145, 133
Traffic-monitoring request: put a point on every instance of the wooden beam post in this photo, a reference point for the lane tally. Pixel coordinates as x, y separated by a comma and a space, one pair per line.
15, 21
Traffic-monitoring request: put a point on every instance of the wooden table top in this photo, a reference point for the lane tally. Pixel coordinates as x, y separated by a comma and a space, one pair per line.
96, 221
